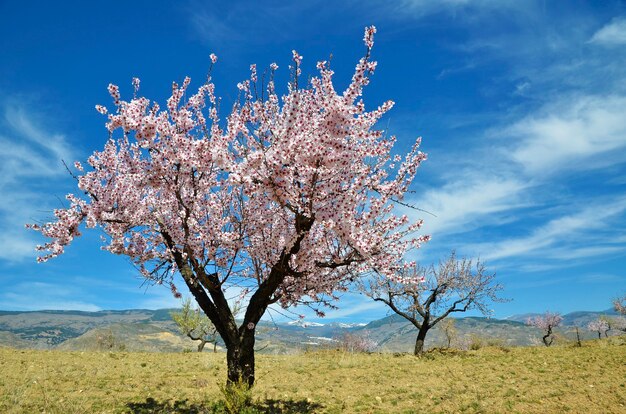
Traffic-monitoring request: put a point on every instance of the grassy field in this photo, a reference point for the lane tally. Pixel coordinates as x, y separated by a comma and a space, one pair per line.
591, 379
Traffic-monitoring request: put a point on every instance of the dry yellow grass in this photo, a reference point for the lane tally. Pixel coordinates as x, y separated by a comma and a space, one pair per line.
591, 379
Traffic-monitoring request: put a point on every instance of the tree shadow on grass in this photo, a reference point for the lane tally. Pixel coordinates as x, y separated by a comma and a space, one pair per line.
287, 407
268, 406
152, 406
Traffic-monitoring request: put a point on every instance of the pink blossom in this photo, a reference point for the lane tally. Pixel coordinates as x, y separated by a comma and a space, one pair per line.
136, 83
114, 91
298, 182
297, 58
368, 37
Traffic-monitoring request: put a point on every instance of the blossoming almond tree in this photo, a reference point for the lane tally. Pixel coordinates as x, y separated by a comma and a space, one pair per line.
546, 322
619, 304
431, 294
599, 326
287, 200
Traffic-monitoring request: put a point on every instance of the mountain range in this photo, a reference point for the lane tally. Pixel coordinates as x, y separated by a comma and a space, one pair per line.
154, 331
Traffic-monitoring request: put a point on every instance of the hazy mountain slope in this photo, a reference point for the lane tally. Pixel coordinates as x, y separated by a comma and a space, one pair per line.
579, 318
9, 339
396, 334
137, 337
153, 330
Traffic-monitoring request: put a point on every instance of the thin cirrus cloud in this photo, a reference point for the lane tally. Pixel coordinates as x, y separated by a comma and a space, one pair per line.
565, 133
612, 34
587, 133
30, 160
50, 296
582, 234
468, 202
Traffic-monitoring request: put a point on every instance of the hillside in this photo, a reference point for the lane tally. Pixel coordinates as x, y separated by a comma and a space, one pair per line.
579, 318
154, 331
45, 329
132, 337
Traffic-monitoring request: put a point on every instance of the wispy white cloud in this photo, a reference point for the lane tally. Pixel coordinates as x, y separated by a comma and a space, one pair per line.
568, 133
241, 24
578, 235
211, 28
31, 158
458, 8
530, 282
470, 200
612, 34
49, 296
157, 297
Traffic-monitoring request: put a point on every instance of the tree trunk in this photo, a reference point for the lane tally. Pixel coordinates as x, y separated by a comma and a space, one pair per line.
240, 362
421, 337
546, 336
201, 345
214, 347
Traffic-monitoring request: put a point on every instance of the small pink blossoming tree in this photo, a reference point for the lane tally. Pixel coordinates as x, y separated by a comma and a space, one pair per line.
599, 326
287, 200
546, 322
619, 304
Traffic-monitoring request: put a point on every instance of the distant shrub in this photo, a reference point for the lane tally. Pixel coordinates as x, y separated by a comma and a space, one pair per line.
463, 343
106, 341
475, 342
496, 342
354, 342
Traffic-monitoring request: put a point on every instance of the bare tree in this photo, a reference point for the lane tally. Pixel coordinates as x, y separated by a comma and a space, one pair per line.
449, 330
617, 323
196, 325
426, 296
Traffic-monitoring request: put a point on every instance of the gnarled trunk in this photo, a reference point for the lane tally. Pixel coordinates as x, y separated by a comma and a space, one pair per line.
547, 336
201, 345
240, 361
207, 290
421, 337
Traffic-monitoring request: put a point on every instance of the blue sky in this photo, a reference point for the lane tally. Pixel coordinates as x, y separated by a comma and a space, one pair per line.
521, 106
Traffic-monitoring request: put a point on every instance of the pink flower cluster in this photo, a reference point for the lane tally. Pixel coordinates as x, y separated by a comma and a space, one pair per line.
547, 321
